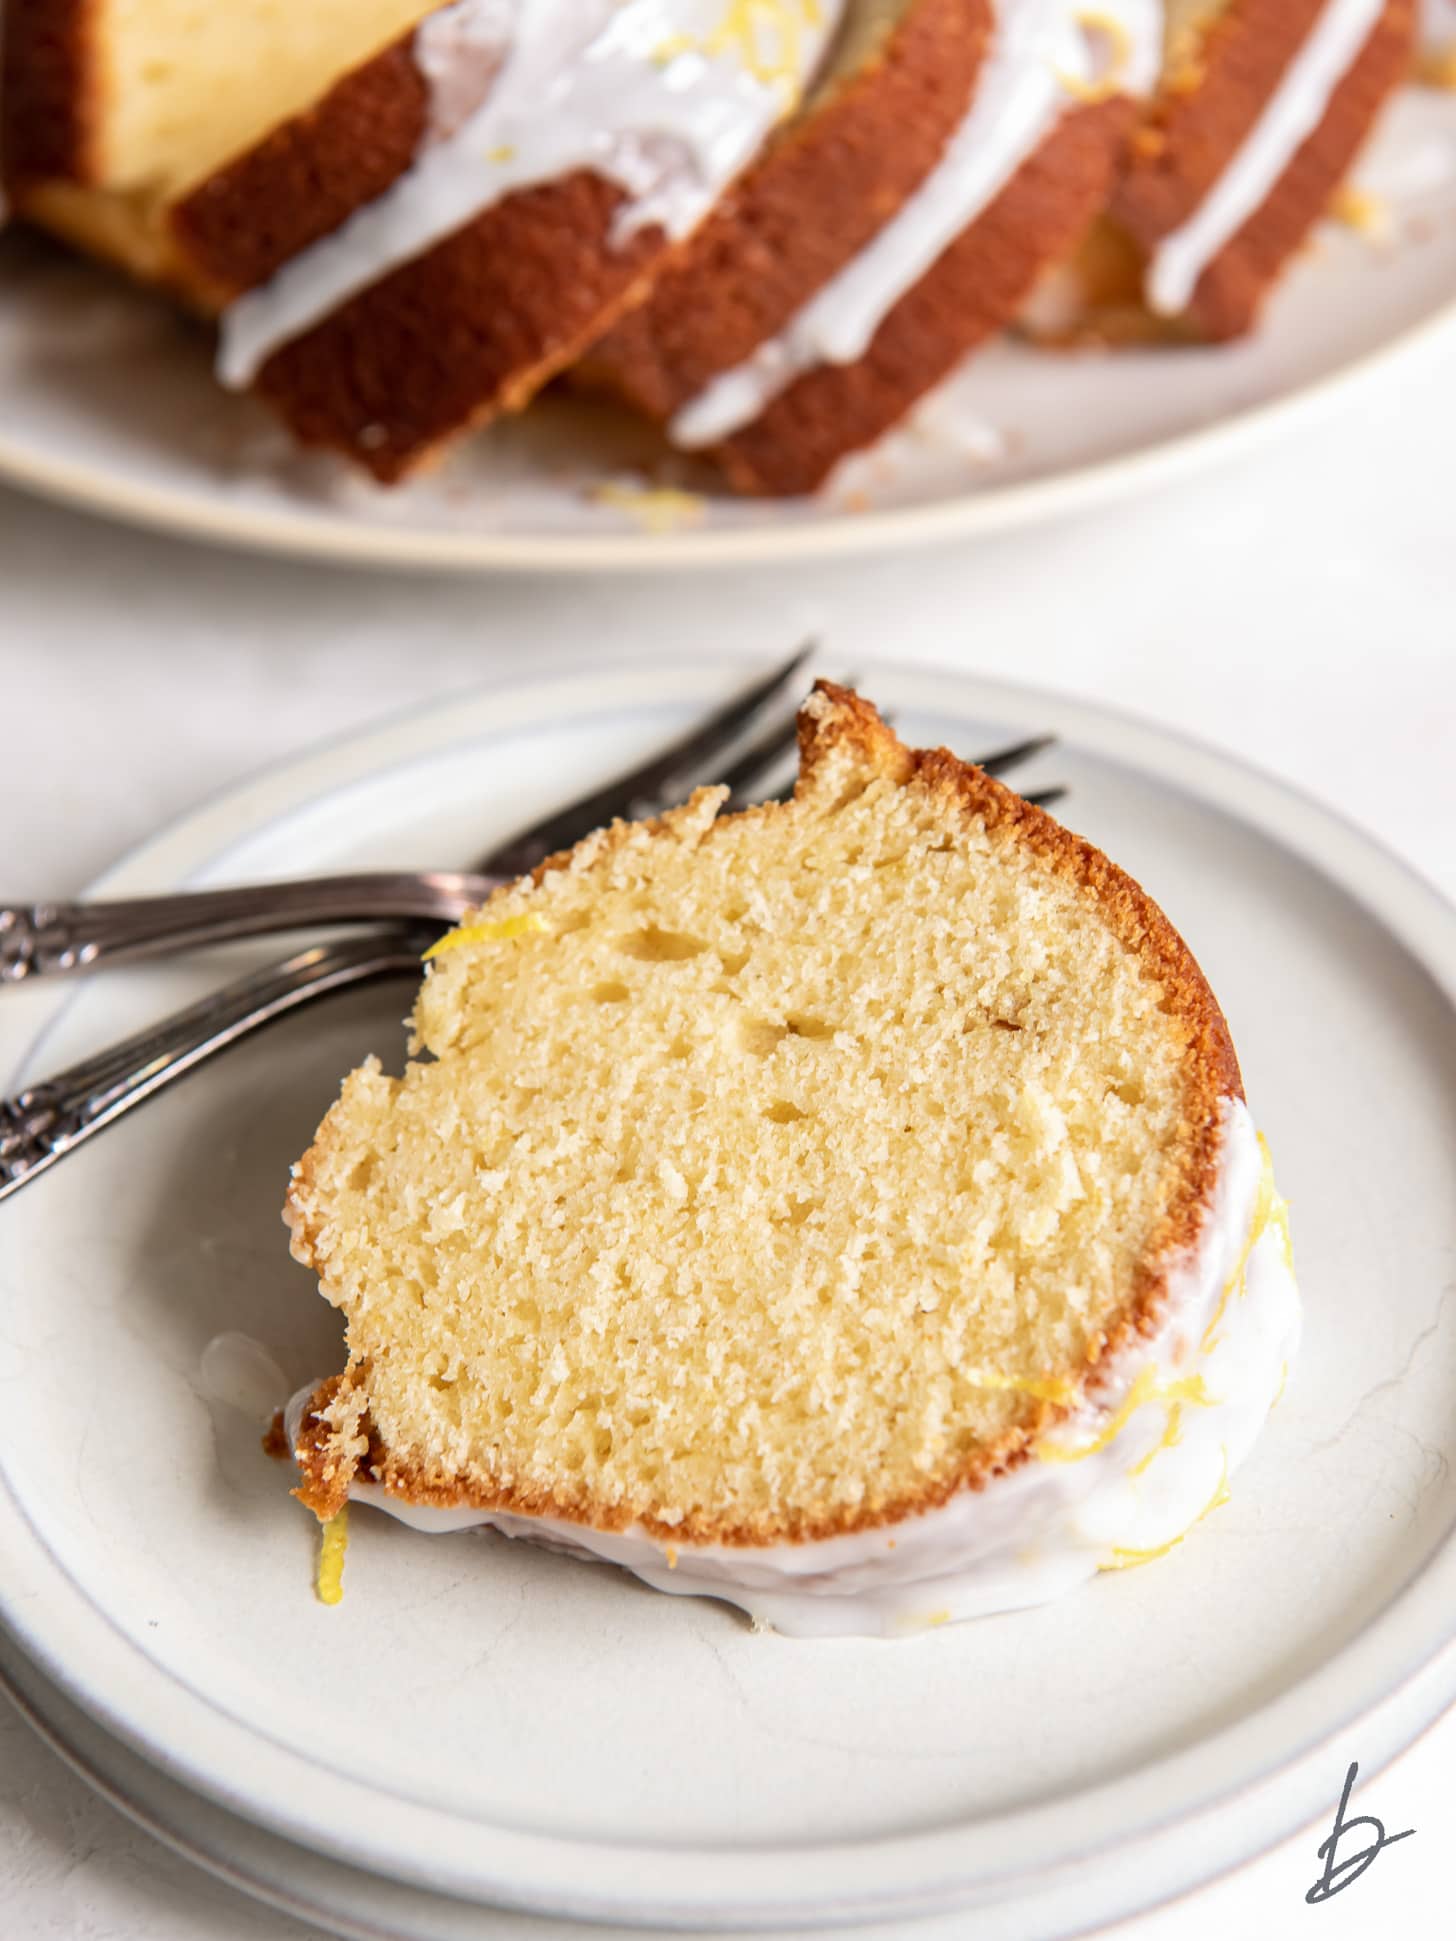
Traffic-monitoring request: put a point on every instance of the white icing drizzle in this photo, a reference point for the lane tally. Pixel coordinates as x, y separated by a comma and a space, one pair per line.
655, 95
1117, 1483
1042, 59
1436, 30
1289, 117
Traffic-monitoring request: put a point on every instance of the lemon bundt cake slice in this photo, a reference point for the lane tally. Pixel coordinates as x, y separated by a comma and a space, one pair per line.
846, 1208
112, 110
878, 121
1263, 108
1260, 112
1030, 164
458, 220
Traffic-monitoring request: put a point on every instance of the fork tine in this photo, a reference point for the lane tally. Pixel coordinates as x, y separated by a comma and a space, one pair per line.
1012, 757
758, 761
1043, 798
666, 779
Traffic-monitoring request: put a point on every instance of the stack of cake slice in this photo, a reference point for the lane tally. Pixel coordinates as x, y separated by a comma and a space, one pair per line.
770, 225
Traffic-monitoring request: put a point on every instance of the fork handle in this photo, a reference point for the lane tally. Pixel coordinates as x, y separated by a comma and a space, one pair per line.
43, 1123
53, 939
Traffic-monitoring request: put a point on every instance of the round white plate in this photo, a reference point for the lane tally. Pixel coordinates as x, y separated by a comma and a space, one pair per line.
512, 1728
107, 399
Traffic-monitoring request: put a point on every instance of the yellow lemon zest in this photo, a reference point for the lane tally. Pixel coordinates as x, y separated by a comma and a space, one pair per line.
656, 508
1188, 1388
329, 1583
1360, 210
1131, 1559
1270, 1210
1051, 1388
1172, 1435
1279, 1392
765, 36
504, 153
501, 931
1107, 83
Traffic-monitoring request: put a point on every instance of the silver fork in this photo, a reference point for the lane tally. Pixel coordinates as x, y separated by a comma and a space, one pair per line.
59, 939
44, 1122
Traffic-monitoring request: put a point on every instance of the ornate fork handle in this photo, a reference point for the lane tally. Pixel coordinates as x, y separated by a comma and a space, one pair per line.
51, 939
44, 1122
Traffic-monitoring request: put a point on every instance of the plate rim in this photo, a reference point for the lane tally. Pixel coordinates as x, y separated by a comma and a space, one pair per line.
307, 1886
1404, 904
972, 514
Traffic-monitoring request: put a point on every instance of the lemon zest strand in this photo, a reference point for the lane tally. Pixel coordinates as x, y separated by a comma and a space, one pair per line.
1090, 20
1051, 1388
334, 1541
660, 508
740, 33
1189, 1388
1131, 1559
1270, 1210
504, 930
1172, 1435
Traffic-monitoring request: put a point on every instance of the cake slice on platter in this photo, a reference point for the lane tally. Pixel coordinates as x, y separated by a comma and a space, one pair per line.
1031, 162
1262, 108
872, 129
112, 111
847, 1209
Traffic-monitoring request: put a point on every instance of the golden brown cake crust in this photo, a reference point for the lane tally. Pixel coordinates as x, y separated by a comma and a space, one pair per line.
298, 184
474, 327
973, 290
1194, 130
47, 94
803, 210
439, 345
329, 1462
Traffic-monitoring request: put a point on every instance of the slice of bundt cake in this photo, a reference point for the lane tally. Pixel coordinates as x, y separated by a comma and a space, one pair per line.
452, 224
111, 110
846, 1208
1029, 166
871, 131
1262, 108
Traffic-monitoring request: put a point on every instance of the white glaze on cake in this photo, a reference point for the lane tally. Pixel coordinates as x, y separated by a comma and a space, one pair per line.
1116, 1484
1436, 40
1290, 116
668, 99
1041, 61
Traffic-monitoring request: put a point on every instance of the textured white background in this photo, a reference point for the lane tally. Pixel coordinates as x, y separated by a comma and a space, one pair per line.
1297, 606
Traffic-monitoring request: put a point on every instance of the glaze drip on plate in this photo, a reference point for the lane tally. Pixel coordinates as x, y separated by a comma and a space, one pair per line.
668, 99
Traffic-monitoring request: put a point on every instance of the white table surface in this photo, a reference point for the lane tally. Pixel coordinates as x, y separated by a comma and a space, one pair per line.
1297, 605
